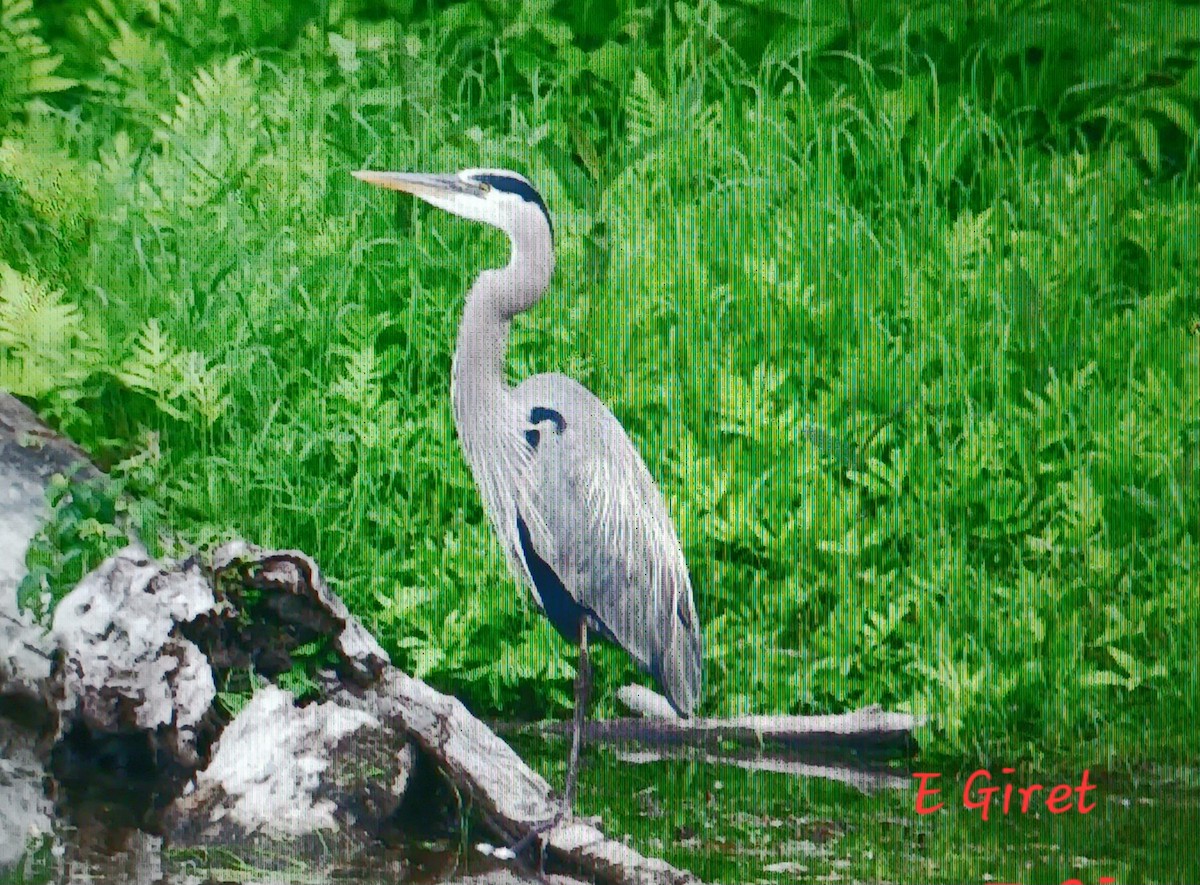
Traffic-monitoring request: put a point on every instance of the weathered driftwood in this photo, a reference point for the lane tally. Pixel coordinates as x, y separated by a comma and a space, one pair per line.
866, 779
282, 771
867, 729
29, 455
25, 810
133, 633
297, 599
127, 665
510, 797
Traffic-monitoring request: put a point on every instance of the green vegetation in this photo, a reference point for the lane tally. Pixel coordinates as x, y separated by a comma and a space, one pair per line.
900, 302
729, 825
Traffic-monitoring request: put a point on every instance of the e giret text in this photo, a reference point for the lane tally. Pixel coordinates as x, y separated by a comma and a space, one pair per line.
980, 794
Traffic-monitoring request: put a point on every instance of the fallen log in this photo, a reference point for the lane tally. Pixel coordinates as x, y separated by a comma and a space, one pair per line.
866, 729
142, 646
828, 746
511, 798
106, 684
865, 779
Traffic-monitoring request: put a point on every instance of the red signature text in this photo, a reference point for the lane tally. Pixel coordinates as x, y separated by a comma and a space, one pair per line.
979, 794
1104, 880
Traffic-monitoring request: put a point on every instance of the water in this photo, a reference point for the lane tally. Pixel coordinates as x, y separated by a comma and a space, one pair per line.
724, 823
95, 853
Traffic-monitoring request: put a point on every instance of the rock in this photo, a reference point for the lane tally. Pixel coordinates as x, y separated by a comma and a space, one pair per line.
25, 810
646, 703
30, 454
126, 664
280, 771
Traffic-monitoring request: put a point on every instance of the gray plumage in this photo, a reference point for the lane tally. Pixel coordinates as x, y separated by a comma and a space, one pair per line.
611, 539
562, 483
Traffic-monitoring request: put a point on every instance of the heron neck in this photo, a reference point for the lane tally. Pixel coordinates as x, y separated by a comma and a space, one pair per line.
522, 283
479, 388
477, 377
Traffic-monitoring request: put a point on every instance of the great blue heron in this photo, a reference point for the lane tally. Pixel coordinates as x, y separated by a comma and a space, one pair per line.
580, 518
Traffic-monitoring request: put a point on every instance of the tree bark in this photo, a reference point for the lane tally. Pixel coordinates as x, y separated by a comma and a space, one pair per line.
510, 796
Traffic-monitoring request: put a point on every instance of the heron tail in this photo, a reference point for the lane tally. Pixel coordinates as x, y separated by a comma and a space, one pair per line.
680, 668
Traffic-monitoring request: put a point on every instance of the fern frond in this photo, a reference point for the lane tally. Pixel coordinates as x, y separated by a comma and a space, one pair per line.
154, 367
212, 138
42, 339
360, 385
646, 110
27, 65
203, 386
138, 72
55, 185
34, 317
178, 380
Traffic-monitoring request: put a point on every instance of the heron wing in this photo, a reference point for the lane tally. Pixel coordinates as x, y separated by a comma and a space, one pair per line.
612, 545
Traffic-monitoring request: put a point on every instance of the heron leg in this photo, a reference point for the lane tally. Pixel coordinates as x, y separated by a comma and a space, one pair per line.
583, 687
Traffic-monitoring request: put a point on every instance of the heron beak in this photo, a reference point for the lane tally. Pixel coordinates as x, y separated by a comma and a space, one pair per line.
417, 183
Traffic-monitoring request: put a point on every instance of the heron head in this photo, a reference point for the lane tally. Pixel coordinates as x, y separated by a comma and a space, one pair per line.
497, 197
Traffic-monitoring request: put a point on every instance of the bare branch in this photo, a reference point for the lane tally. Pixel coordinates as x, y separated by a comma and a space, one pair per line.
869, 728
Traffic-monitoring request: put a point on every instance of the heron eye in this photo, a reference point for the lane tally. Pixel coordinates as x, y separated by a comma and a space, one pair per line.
484, 186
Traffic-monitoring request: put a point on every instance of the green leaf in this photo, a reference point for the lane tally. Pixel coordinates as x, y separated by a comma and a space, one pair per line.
609, 62
1146, 137
1182, 116
1103, 678
1124, 660
346, 52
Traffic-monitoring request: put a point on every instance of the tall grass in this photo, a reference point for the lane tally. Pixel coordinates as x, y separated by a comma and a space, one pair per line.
900, 307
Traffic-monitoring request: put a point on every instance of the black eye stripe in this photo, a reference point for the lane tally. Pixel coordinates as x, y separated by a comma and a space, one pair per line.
515, 186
